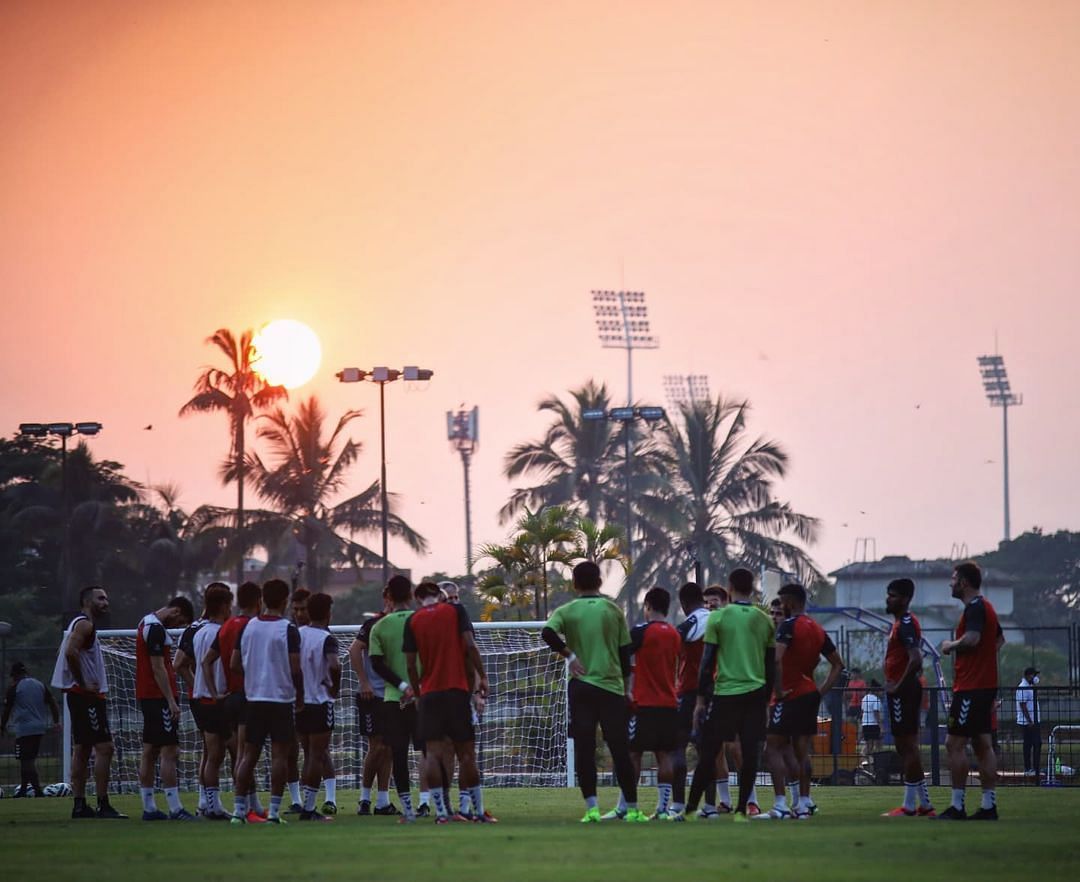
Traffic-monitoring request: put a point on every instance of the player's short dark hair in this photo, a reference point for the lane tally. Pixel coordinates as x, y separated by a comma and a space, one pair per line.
970, 572
275, 592
87, 591
901, 587
427, 589
185, 607
216, 597
793, 590
717, 591
400, 589
301, 595
587, 576
659, 600
248, 595
318, 606
741, 581
690, 594
776, 603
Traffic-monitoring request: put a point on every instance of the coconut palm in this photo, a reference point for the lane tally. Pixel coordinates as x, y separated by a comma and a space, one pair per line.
305, 471
239, 392
718, 496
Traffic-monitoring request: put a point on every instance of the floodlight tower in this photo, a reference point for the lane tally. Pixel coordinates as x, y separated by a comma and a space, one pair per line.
998, 392
622, 321
683, 389
463, 433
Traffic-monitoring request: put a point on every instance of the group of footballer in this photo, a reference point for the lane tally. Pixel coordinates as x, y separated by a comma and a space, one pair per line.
732, 680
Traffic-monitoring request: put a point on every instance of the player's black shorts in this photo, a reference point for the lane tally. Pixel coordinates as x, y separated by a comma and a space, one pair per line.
235, 708
972, 712
27, 747
158, 723
795, 717
269, 718
369, 715
871, 733
315, 719
655, 729
685, 713
732, 717
210, 717
89, 719
398, 725
590, 705
446, 714
903, 707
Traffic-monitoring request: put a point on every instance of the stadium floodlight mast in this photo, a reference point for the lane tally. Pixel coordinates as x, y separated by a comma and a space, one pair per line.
622, 321
995, 381
382, 376
63, 431
626, 416
463, 433
683, 389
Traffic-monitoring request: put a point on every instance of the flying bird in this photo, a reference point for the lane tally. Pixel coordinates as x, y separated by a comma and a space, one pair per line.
148, 428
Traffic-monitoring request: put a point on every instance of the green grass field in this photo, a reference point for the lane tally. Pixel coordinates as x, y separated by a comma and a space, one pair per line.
539, 838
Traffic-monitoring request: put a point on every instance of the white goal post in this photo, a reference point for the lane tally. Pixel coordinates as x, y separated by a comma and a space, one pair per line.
521, 740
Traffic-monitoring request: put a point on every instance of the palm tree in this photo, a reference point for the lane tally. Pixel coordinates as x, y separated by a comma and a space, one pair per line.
306, 472
239, 392
572, 463
717, 494
597, 543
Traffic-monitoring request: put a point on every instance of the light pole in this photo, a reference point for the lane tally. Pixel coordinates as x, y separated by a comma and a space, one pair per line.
682, 389
382, 376
622, 321
463, 433
63, 431
626, 416
998, 392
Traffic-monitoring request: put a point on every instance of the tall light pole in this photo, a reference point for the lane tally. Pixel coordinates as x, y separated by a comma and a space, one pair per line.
681, 389
622, 321
463, 433
995, 381
63, 431
382, 376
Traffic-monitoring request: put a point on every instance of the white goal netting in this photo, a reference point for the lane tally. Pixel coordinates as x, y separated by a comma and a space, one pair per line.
521, 740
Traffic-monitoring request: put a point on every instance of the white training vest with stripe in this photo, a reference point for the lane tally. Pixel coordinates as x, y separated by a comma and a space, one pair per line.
264, 650
314, 665
91, 661
200, 644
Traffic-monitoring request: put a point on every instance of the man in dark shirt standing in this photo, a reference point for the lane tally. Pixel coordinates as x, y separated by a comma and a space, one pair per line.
975, 682
24, 707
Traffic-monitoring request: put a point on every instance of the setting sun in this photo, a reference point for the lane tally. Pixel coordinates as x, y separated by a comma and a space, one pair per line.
287, 353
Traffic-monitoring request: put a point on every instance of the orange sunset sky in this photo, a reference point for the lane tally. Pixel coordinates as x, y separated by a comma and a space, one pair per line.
833, 208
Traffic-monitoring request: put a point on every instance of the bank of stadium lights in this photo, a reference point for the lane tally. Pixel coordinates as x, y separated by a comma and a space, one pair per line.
63, 431
463, 433
382, 376
627, 415
999, 393
622, 322
681, 389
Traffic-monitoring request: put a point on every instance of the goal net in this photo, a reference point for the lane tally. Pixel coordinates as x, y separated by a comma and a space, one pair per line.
520, 741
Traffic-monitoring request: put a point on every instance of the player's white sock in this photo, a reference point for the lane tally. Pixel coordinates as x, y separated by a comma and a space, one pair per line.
708, 808
440, 803
382, 799
793, 793
203, 803
803, 805
365, 794
275, 806
240, 806
753, 795
172, 797
911, 794
294, 791
621, 806
476, 795
254, 804
425, 797
406, 803
463, 802
989, 799
723, 791
958, 798
213, 801
310, 793
924, 794
331, 789
678, 807
591, 802
147, 794
663, 798
780, 803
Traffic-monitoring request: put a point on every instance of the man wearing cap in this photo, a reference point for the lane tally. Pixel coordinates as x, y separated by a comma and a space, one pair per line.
24, 708
1027, 718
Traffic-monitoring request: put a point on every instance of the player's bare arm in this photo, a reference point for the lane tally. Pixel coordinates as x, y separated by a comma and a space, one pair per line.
78, 640
836, 666
559, 647
161, 678
915, 658
779, 692
334, 666
208, 662
358, 649
414, 672
965, 644
297, 678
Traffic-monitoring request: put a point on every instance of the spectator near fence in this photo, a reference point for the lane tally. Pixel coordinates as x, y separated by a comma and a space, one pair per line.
871, 713
1027, 718
25, 709
856, 687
